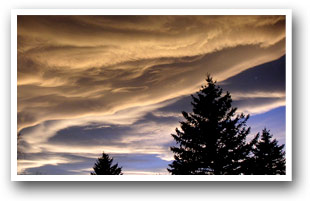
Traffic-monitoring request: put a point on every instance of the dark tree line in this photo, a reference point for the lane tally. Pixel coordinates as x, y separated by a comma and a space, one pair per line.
212, 140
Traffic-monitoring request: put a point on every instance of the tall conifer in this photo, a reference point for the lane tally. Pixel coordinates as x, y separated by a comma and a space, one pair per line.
212, 139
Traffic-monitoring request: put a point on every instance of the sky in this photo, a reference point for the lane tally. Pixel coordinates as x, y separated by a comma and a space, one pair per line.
118, 84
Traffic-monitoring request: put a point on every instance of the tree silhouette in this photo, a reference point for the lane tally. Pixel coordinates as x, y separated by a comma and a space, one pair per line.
103, 166
269, 157
212, 139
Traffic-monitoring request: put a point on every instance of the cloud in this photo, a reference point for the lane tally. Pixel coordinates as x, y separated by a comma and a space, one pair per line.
255, 90
147, 134
92, 92
72, 66
52, 163
117, 83
258, 89
145, 129
145, 164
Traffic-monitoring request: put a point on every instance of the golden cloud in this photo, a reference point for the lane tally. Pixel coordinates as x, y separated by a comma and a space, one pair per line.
114, 69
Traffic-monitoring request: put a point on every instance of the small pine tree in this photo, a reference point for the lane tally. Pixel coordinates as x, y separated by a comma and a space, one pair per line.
212, 139
269, 157
103, 166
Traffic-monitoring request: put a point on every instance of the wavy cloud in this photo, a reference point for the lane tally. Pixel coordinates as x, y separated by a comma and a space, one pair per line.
88, 83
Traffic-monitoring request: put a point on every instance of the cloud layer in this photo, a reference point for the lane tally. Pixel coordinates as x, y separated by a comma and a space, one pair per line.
88, 83
72, 66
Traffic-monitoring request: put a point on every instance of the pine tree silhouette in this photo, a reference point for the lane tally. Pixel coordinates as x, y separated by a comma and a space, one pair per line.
103, 166
269, 157
212, 139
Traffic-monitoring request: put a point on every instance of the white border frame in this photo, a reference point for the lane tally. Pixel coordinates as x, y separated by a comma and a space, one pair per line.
288, 132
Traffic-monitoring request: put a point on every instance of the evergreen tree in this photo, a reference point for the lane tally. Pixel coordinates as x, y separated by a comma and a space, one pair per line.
212, 139
269, 157
103, 166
